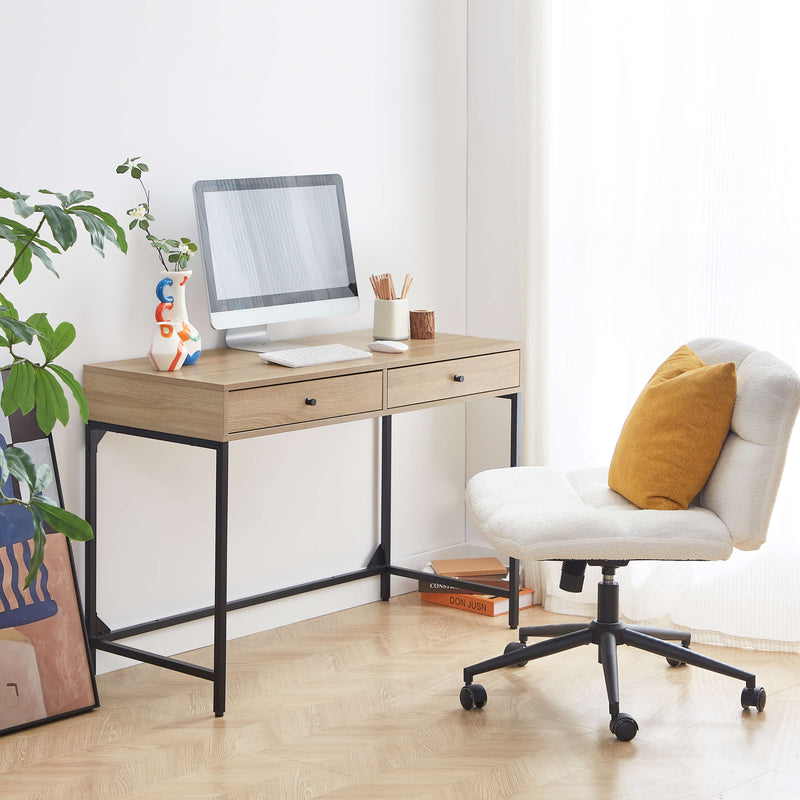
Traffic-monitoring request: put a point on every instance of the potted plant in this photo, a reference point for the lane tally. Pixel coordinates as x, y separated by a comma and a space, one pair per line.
35, 382
176, 341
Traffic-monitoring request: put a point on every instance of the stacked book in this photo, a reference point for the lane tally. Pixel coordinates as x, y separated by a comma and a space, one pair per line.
487, 571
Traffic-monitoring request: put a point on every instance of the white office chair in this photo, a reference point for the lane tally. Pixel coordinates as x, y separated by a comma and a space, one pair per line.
536, 513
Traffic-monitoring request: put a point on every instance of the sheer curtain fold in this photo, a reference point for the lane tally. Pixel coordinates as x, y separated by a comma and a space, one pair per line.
668, 201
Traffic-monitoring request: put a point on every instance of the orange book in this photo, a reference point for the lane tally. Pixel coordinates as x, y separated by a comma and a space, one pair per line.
485, 604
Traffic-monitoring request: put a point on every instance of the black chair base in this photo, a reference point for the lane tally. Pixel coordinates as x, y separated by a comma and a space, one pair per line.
607, 632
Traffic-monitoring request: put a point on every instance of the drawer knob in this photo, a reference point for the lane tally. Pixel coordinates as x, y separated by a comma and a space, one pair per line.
458, 378
311, 401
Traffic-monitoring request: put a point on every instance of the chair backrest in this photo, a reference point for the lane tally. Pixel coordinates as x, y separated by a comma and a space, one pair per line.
742, 487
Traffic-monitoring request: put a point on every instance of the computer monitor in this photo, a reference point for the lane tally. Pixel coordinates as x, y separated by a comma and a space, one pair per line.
274, 250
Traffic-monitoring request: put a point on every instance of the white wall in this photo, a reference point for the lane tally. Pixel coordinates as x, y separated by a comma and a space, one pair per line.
497, 205
374, 91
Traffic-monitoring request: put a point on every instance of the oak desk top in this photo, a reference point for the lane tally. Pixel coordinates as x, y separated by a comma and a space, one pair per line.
231, 394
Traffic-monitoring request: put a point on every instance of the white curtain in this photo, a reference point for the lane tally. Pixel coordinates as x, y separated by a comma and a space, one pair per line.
666, 206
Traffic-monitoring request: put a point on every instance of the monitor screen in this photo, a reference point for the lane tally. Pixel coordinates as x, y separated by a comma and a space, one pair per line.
275, 249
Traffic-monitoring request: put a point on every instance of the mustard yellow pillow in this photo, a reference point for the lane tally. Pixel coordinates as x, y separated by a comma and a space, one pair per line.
674, 432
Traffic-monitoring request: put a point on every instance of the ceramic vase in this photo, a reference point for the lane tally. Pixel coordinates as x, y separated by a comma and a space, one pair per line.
171, 293
168, 349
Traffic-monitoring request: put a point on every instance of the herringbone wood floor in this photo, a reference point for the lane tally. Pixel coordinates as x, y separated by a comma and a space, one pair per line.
363, 705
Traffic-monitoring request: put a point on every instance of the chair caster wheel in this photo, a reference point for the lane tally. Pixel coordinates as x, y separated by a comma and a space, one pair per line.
676, 662
473, 694
624, 727
512, 647
754, 698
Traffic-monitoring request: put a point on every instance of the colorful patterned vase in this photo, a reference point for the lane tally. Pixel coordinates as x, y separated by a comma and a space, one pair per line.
168, 349
171, 293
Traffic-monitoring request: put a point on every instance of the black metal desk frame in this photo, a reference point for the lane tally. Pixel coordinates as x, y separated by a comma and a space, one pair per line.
101, 637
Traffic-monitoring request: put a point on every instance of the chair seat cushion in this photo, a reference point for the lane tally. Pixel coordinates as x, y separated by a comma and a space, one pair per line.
537, 513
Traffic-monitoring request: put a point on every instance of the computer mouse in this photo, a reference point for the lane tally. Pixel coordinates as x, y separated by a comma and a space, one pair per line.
388, 347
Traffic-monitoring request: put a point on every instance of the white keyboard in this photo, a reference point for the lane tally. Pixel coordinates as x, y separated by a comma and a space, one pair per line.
309, 356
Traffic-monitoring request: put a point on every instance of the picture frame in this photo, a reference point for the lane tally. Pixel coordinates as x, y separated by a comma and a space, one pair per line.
45, 666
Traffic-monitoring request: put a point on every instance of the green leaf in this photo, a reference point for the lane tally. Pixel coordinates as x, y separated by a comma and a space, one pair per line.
7, 307
7, 233
44, 333
4, 473
19, 230
115, 233
59, 340
22, 263
16, 330
40, 323
51, 403
49, 245
132, 225
6, 195
75, 387
97, 230
122, 169
62, 197
143, 167
144, 224
44, 477
71, 525
22, 208
20, 389
79, 196
21, 466
61, 225
39, 541
43, 257
136, 172
172, 258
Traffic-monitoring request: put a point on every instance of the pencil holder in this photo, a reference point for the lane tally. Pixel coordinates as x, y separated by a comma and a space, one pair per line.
390, 319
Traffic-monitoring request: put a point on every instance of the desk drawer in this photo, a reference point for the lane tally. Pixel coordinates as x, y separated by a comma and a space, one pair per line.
456, 378
304, 401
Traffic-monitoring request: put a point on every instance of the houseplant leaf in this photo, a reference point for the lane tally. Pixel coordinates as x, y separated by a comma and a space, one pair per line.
22, 260
95, 227
21, 466
75, 387
20, 389
37, 557
116, 235
61, 225
51, 403
71, 525
17, 330
78, 196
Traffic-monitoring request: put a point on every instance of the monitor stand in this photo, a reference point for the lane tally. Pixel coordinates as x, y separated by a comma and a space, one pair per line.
254, 338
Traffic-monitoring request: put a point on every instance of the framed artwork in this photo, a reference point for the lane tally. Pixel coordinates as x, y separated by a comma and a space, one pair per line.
45, 672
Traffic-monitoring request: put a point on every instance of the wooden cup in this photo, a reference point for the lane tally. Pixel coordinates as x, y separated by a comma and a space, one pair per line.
422, 326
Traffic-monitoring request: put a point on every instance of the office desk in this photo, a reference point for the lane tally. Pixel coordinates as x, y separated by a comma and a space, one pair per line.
231, 394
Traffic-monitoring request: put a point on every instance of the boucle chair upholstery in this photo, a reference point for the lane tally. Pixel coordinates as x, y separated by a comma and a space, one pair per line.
536, 513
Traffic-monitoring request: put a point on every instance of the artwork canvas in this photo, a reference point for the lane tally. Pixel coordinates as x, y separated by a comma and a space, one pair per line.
45, 672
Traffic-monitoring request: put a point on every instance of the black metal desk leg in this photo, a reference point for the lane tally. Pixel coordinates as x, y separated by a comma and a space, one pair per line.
92, 439
513, 563
386, 503
516, 430
220, 578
